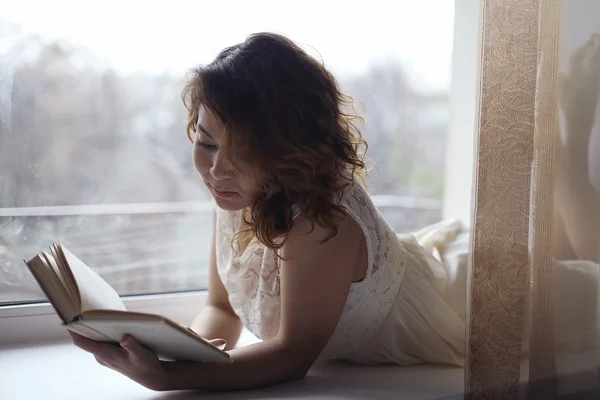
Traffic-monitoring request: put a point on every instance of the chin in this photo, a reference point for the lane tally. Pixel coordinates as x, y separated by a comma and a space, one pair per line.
234, 203
229, 204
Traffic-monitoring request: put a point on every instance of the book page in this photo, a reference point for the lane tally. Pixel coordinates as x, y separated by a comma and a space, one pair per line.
79, 328
52, 287
69, 292
94, 292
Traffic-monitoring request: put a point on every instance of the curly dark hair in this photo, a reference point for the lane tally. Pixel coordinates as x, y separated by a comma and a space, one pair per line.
285, 115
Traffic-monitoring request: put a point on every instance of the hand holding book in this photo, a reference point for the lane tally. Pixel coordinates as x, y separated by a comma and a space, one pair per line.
90, 307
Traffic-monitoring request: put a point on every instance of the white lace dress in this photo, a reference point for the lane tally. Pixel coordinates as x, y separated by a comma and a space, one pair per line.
409, 308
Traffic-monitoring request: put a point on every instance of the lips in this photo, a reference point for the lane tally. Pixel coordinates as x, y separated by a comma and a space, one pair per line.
221, 193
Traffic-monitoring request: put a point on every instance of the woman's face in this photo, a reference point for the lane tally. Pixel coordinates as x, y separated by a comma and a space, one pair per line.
231, 188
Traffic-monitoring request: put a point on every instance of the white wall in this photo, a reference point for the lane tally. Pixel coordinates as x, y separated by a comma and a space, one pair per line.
464, 100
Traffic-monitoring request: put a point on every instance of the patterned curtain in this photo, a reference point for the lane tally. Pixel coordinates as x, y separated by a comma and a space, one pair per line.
535, 240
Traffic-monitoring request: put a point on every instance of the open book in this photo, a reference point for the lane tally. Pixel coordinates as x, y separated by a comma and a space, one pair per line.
89, 306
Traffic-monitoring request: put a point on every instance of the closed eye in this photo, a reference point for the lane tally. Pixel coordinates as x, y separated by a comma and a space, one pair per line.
202, 143
205, 145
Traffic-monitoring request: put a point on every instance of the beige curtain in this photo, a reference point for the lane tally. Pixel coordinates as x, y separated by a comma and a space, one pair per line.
535, 240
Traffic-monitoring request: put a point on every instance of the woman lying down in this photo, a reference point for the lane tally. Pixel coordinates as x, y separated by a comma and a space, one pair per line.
300, 255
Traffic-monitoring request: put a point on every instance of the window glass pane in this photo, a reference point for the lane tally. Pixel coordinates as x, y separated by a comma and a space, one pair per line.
93, 150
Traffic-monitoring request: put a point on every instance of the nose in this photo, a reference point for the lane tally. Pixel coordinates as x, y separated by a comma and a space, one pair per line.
221, 167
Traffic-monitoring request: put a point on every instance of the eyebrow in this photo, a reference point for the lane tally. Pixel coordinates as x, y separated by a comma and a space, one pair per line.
201, 128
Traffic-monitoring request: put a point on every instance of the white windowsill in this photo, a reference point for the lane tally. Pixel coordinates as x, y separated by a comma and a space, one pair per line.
62, 371
38, 362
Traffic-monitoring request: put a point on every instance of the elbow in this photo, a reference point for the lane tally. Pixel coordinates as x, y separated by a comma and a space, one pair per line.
298, 361
298, 373
292, 374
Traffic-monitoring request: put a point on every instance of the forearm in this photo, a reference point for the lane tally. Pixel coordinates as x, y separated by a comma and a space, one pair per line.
214, 322
259, 365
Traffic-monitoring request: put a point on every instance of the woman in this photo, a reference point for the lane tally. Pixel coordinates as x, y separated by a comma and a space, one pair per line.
300, 255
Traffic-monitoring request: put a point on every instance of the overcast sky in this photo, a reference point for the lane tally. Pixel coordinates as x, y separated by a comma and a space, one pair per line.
175, 35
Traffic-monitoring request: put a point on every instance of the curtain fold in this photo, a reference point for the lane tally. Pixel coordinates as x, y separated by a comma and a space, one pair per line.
533, 325
538, 350
499, 261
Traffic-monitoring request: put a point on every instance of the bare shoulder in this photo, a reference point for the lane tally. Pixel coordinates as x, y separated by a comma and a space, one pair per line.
316, 277
306, 240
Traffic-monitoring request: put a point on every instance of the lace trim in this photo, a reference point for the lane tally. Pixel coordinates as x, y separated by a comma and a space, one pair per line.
252, 278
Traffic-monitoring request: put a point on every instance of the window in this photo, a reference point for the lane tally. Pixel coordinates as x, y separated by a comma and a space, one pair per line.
92, 144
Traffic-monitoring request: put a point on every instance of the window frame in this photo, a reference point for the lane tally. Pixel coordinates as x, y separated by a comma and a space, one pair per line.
37, 322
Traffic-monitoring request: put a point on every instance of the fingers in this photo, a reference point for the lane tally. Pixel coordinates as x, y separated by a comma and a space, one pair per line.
101, 361
220, 343
105, 353
191, 330
85, 343
132, 346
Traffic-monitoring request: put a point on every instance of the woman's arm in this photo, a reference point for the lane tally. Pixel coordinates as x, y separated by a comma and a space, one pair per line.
314, 286
217, 320
315, 281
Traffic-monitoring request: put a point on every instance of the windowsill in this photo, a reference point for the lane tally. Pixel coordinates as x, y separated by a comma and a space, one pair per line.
58, 370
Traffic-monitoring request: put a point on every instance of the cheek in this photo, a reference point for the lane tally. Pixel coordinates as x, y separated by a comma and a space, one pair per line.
250, 186
249, 179
202, 161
